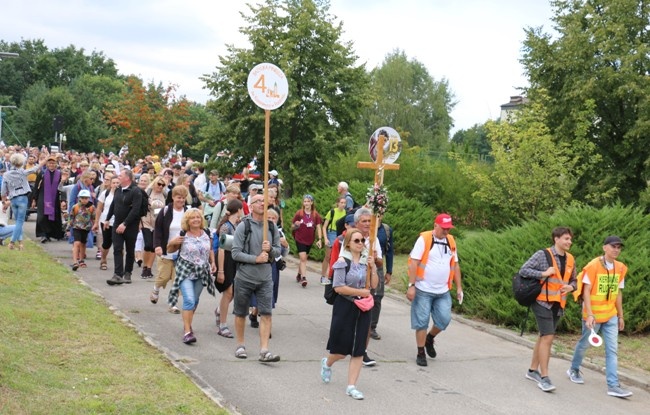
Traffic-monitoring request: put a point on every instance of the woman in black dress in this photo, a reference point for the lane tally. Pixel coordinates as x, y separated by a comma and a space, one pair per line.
350, 326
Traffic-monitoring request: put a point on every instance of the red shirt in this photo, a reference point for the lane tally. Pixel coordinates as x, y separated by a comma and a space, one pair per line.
306, 232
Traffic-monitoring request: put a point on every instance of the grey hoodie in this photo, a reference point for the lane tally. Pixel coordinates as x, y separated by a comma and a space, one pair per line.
245, 255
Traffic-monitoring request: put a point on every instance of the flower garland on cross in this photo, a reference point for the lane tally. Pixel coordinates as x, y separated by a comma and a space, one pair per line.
377, 199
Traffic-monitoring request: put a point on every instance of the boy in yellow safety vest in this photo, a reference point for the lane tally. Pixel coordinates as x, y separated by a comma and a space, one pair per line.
600, 287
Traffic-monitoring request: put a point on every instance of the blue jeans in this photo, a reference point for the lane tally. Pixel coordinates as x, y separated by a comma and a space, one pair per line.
19, 209
609, 331
191, 290
6, 231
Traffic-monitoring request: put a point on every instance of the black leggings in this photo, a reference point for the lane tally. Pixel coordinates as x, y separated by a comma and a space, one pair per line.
147, 238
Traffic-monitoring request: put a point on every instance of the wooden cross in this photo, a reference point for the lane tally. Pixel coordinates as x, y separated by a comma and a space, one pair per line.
378, 166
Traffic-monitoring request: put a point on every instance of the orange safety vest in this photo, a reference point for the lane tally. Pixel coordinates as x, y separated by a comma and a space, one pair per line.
428, 245
603, 288
551, 291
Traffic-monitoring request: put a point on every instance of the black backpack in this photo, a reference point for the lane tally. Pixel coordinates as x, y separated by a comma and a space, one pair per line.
526, 289
340, 224
330, 294
144, 206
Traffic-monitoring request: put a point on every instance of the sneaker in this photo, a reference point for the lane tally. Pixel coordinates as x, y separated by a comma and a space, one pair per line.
618, 392
374, 334
174, 310
98, 255
421, 360
115, 280
254, 323
325, 371
127, 278
303, 282
367, 361
534, 376
325, 281
189, 338
354, 393
139, 262
268, 357
546, 384
575, 376
431, 350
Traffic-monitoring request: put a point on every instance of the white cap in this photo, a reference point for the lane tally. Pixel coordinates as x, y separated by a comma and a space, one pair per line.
274, 173
84, 193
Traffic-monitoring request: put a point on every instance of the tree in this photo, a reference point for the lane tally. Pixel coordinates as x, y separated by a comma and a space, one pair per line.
597, 67
326, 90
149, 119
40, 105
472, 141
59, 67
408, 99
532, 173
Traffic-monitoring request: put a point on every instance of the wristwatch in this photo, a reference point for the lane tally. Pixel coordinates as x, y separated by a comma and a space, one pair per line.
411, 284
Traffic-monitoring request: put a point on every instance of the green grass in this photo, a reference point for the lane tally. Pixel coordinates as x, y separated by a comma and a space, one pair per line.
64, 352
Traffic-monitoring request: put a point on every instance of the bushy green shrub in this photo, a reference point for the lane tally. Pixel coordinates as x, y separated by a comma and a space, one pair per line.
430, 178
490, 259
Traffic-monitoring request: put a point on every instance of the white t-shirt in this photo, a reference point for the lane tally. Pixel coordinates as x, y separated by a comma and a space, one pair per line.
436, 271
107, 201
174, 230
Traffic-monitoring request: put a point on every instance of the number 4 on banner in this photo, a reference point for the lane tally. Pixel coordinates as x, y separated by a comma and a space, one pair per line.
260, 84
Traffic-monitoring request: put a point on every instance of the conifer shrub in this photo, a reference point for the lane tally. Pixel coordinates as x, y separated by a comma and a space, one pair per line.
490, 259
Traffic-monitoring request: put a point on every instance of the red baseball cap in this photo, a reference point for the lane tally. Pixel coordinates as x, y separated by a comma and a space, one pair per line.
444, 221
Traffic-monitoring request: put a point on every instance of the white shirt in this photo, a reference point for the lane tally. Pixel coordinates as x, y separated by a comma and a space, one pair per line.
174, 230
107, 201
437, 268
200, 181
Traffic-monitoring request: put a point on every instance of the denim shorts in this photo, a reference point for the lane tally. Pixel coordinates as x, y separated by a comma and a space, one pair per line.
331, 237
436, 306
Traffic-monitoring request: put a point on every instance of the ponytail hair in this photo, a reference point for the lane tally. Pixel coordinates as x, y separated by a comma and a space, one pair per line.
232, 207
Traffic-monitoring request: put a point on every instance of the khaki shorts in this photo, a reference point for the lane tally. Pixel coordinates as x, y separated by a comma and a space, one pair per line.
166, 272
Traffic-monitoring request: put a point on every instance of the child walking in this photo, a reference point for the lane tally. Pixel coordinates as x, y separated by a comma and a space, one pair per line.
80, 223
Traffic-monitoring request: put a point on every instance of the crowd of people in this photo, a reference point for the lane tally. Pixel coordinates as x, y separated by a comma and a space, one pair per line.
208, 232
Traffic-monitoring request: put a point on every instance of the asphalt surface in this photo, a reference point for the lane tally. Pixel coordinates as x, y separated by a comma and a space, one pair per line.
479, 368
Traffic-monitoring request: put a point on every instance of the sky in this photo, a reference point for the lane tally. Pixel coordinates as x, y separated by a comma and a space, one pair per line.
474, 44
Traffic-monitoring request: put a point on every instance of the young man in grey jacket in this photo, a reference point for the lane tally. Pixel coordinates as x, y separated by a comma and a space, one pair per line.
253, 255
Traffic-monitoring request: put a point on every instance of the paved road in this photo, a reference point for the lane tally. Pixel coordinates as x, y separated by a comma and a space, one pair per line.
479, 369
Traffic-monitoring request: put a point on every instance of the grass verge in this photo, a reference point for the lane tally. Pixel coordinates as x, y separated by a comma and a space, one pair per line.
64, 352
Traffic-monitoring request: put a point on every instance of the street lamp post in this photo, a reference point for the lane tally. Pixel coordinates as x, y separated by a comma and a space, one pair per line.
1, 119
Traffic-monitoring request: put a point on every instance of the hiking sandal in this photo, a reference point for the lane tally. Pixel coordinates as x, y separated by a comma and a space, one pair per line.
268, 357
225, 332
240, 353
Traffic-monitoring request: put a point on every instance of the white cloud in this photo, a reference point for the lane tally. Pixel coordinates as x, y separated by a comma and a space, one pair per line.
474, 44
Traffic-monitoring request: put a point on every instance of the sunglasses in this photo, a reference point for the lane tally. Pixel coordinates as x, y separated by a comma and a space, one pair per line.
359, 241
160, 184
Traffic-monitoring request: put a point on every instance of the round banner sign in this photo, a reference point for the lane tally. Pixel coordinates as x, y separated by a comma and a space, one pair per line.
267, 86
392, 144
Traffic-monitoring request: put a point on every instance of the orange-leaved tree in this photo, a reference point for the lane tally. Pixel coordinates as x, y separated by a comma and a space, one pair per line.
149, 119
